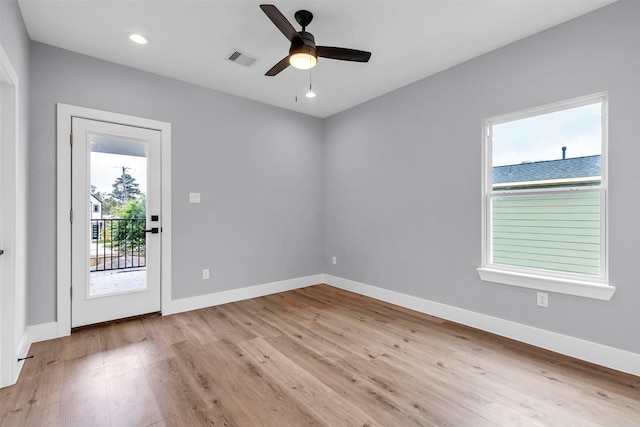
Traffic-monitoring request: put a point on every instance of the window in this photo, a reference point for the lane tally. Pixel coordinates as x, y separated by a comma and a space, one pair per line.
96, 208
545, 198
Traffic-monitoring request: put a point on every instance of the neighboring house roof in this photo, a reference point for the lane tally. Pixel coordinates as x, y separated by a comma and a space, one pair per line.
97, 199
577, 167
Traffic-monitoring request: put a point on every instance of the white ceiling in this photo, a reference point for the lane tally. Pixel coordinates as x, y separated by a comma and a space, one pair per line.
190, 40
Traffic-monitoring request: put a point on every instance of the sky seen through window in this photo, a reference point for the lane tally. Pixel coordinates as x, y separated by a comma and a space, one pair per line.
541, 137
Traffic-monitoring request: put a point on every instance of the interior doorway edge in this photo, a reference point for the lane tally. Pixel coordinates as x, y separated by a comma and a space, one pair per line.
13, 233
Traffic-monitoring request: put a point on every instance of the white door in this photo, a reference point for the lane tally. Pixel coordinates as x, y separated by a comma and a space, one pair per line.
115, 242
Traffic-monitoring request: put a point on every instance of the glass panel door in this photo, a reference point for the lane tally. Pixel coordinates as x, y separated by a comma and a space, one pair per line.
115, 243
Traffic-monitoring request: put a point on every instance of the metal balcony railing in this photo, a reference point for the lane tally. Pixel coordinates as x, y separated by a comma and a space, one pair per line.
117, 244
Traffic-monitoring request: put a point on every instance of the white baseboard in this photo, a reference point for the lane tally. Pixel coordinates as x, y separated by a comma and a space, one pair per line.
34, 333
24, 345
224, 297
599, 354
22, 352
43, 332
47, 331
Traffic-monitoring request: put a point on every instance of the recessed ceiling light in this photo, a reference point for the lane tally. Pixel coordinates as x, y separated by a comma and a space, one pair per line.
138, 38
310, 93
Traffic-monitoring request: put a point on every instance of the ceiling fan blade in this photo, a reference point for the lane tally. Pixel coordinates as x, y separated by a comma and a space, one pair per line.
280, 66
281, 22
343, 54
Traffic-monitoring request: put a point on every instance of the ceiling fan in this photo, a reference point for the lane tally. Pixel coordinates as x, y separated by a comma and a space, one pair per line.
304, 53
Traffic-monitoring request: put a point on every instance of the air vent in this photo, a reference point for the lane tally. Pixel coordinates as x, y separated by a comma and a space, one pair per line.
241, 58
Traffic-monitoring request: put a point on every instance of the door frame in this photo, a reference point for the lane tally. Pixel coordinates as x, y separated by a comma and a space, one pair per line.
13, 290
64, 114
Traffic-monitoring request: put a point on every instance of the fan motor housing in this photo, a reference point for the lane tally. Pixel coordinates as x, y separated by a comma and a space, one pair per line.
308, 46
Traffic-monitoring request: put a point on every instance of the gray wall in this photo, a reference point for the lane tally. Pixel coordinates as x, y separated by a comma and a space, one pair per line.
402, 176
15, 42
258, 169
392, 187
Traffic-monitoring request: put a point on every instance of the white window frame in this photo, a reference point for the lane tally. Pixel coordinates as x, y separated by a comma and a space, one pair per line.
566, 283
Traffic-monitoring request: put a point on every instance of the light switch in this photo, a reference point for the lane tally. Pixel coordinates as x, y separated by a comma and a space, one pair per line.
194, 197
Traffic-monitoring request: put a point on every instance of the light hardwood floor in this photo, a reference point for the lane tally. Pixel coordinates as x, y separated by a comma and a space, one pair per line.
316, 356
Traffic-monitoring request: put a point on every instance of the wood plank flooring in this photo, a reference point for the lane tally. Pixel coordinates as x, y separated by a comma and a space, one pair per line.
316, 356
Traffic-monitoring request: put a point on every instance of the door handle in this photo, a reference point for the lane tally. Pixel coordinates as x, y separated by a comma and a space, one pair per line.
154, 230
1, 251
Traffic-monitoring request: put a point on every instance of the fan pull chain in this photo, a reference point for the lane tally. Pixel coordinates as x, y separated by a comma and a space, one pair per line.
296, 83
310, 92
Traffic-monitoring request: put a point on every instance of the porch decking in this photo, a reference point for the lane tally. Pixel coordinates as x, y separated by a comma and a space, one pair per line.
114, 281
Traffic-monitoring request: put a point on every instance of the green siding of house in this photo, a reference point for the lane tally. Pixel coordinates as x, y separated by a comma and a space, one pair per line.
558, 232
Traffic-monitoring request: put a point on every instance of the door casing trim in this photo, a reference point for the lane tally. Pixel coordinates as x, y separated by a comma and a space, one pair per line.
63, 224
13, 290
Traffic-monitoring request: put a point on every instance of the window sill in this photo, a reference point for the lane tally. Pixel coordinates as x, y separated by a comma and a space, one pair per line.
580, 288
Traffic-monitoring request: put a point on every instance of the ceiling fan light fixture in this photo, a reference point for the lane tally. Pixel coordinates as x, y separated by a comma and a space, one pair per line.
303, 57
303, 61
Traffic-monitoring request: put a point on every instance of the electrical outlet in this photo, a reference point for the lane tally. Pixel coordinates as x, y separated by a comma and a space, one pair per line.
543, 299
205, 274
334, 260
